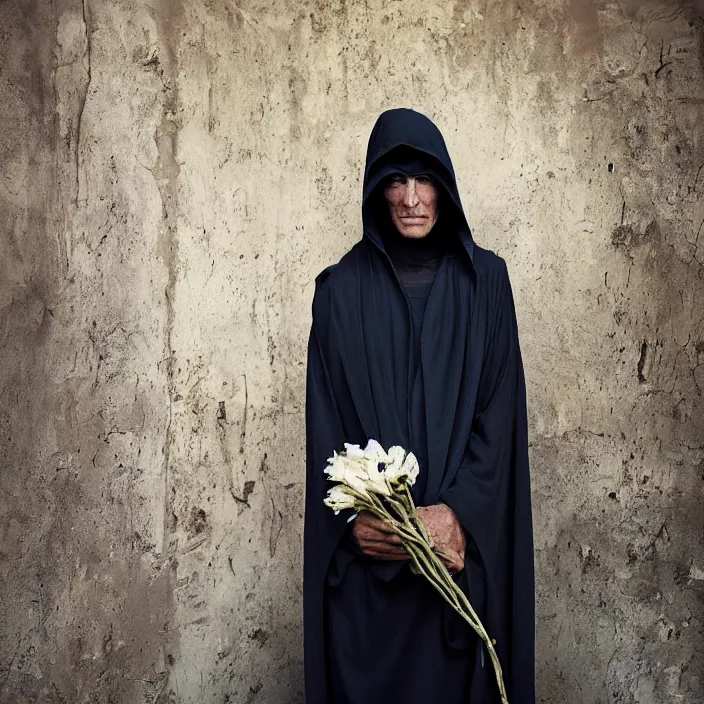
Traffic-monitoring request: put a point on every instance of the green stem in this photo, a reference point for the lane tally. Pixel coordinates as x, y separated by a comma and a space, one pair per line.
407, 525
398, 506
448, 588
440, 578
402, 529
441, 565
426, 569
413, 513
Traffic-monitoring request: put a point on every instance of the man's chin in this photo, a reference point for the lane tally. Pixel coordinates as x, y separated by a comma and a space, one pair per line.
414, 233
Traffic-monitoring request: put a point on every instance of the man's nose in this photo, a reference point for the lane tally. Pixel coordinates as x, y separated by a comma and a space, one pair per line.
410, 199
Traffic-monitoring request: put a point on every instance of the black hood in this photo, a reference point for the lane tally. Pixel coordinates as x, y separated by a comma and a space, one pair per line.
400, 140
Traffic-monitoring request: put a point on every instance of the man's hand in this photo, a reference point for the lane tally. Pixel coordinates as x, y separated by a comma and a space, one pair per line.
376, 539
446, 534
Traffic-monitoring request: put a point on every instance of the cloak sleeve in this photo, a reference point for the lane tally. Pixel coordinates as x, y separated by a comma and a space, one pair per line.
491, 498
322, 529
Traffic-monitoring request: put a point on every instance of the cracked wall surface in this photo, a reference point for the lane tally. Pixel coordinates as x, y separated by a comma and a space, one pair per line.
173, 174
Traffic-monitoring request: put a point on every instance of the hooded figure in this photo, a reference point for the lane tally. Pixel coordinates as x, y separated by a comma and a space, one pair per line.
415, 343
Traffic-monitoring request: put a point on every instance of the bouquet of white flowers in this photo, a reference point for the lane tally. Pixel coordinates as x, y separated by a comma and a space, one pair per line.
377, 481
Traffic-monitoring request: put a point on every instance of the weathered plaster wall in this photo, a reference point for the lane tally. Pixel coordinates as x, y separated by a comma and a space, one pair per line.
172, 176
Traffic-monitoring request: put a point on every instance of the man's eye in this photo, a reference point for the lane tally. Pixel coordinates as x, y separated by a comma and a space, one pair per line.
424, 178
398, 180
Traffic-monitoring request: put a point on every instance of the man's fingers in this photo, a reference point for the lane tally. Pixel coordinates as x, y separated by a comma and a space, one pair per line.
377, 540
452, 560
367, 519
381, 553
381, 547
369, 530
363, 532
388, 557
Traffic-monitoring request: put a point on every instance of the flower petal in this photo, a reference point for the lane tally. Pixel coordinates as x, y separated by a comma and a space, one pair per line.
338, 499
394, 469
411, 468
353, 451
374, 451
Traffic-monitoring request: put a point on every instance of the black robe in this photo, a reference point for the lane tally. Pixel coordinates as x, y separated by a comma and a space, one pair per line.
374, 632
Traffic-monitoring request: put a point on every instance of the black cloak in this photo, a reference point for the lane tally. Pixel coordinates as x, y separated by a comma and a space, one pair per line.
373, 631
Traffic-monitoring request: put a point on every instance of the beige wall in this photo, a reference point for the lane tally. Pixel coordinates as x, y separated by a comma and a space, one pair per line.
174, 174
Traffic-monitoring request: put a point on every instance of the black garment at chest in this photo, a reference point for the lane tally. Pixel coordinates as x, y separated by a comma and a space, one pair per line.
417, 294
403, 335
416, 263
390, 638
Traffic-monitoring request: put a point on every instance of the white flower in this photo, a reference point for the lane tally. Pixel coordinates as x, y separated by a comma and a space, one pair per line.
395, 463
399, 469
353, 451
338, 499
411, 468
376, 481
350, 472
374, 451
358, 468
336, 467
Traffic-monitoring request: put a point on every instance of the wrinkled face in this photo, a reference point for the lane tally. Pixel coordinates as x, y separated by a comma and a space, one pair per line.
412, 204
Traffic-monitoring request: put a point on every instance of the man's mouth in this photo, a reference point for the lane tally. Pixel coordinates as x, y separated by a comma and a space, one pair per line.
414, 219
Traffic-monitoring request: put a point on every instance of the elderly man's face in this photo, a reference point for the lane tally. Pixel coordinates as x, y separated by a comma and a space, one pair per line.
413, 204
